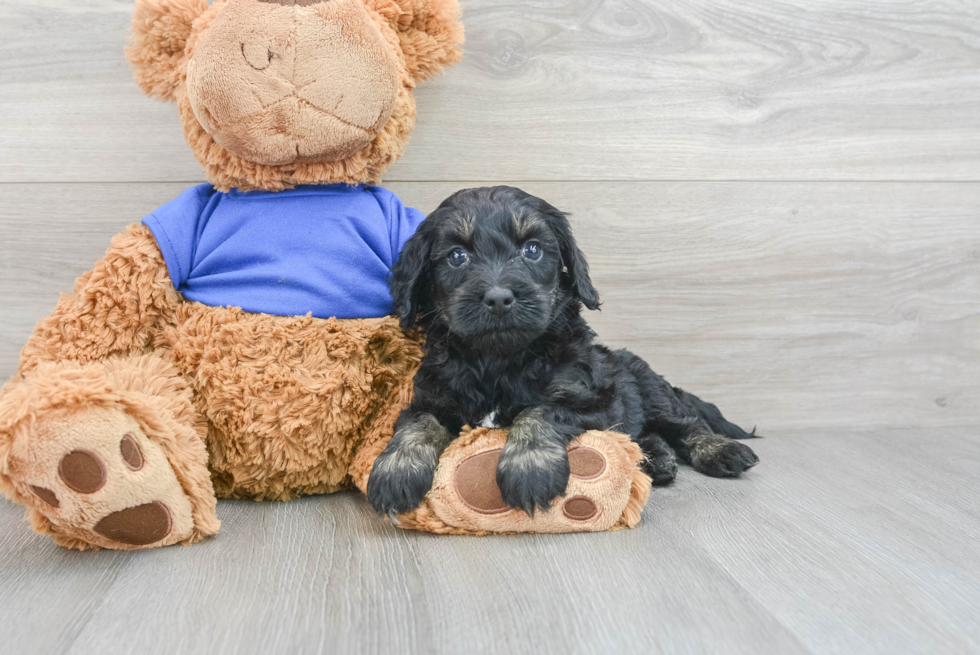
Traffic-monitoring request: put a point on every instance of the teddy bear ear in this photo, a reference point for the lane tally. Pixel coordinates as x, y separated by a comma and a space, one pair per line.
430, 32
156, 47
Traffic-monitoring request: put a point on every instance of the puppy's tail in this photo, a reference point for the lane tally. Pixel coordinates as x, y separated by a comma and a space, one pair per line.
712, 416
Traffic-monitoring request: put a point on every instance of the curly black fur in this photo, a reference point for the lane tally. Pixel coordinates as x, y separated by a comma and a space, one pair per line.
506, 344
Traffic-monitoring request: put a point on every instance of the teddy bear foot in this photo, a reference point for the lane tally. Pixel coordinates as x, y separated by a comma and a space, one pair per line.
606, 490
101, 482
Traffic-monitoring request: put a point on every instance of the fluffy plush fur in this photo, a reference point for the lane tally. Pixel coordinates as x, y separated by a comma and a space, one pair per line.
133, 409
219, 402
291, 401
422, 36
67, 407
496, 281
124, 347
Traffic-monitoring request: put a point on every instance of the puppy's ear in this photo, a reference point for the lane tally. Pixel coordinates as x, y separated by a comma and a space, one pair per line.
156, 47
411, 276
575, 273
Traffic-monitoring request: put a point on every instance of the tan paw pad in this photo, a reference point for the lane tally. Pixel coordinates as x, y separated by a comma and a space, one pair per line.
604, 488
98, 478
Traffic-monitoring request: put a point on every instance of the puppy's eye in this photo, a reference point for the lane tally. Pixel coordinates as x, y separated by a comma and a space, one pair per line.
532, 250
458, 257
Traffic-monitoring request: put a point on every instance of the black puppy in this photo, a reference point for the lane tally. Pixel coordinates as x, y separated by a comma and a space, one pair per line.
496, 282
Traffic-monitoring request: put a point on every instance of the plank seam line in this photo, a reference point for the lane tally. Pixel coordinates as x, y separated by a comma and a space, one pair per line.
536, 181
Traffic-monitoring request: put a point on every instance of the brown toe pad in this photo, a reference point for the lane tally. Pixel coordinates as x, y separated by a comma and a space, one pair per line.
579, 508
136, 526
586, 463
82, 471
46, 495
476, 483
131, 454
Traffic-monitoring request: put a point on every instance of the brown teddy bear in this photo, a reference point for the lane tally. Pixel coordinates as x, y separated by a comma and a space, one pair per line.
237, 343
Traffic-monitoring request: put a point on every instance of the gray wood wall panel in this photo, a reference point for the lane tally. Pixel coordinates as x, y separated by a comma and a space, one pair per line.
571, 89
789, 304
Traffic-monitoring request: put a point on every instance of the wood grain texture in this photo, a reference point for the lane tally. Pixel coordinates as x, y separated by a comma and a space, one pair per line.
840, 313
837, 543
567, 90
788, 304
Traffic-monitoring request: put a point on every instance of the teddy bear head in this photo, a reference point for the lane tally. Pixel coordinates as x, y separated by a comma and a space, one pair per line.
275, 93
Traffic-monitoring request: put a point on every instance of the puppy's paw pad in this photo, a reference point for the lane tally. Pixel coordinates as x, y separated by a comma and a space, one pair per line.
661, 467
726, 459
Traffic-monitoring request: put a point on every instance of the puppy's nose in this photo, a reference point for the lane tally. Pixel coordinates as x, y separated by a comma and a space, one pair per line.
499, 299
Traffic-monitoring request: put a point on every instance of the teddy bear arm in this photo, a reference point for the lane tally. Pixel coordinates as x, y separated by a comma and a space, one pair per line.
607, 489
117, 308
109, 454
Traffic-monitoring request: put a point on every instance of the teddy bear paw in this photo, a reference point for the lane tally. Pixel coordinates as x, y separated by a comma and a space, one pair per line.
606, 489
476, 483
98, 479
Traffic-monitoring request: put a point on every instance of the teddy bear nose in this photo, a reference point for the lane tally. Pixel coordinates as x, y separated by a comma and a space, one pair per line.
293, 3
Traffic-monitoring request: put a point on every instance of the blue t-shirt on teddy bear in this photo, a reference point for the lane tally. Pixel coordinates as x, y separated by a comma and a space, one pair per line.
325, 250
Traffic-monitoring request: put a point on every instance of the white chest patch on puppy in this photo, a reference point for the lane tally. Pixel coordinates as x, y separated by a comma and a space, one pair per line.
490, 421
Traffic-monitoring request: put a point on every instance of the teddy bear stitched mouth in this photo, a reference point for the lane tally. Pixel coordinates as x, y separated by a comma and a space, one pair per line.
370, 132
303, 102
293, 129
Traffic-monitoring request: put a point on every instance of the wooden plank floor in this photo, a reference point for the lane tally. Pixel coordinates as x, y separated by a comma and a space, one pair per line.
860, 542
780, 200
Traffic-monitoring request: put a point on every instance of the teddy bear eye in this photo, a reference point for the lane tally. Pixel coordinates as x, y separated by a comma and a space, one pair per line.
458, 257
532, 251
257, 55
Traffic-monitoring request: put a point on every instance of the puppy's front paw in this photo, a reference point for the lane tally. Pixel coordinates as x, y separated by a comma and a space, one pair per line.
723, 458
400, 479
532, 476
